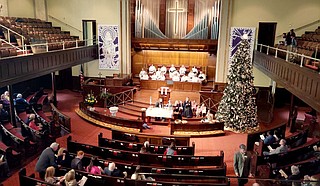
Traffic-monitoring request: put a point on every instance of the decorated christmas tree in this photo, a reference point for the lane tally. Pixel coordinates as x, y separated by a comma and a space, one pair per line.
238, 107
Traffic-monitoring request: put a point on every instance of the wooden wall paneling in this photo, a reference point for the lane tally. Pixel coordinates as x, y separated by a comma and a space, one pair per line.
302, 85
22, 68
190, 17
162, 16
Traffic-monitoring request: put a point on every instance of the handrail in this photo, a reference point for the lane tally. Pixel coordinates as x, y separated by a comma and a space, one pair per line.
22, 37
303, 26
287, 54
54, 18
12, 46
12, 31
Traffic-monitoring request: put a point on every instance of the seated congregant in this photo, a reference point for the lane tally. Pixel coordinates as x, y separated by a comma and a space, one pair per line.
152, 69
143, 75
4, 115
270, 139
175, 76
194, 71
32, 123
163, 69
281, 149
92, 167
195, 79
171, 150
201, 76
192, 77
184, 78
160, 76
76, 163
21, 104
112, 170
64, 159
172, 70
5, 101
182, 70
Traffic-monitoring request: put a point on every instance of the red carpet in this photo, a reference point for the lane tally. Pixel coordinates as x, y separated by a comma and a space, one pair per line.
87, 133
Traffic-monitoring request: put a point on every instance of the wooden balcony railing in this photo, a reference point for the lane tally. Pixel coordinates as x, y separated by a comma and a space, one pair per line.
21, 68
300, 81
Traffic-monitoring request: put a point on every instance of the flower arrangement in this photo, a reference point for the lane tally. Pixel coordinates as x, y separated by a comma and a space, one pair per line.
90, 99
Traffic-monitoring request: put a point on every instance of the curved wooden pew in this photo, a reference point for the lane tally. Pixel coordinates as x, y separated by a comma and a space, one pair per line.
42, 137
153, 139
194, 129
131, 166
279, 129
292, 141
292, 156
13, 136
135, 147
146, 159
60, 119
13, 157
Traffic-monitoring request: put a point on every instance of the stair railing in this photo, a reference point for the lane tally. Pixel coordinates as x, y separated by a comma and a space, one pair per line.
9, 31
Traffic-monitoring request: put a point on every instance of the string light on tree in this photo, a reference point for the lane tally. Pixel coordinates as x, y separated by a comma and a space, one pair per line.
238, 107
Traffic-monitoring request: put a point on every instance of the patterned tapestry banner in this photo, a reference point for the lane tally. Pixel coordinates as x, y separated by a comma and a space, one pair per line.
109, 47
236, 35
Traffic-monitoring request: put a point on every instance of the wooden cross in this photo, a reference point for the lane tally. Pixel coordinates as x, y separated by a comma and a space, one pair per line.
99, 74
176, 10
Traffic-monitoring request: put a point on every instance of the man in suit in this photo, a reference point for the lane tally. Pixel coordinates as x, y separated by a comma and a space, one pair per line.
242, 165
47, 159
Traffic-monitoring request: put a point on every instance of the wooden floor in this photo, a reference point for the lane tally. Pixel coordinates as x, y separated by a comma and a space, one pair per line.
85, 132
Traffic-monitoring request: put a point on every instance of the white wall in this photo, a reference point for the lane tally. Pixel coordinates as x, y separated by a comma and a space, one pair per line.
287, 13
73, 12
21, 8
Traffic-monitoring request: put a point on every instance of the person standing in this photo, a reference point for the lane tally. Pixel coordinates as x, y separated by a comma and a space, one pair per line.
187, 108
47, 159
242, 165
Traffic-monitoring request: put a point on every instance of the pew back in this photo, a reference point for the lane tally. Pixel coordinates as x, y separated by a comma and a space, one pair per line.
153, 139
135, 147
146, 159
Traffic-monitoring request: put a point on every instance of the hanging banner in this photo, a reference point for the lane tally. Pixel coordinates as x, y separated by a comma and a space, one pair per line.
236, 36
109, 47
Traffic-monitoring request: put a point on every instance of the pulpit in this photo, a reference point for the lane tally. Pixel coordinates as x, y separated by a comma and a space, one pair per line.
164, 93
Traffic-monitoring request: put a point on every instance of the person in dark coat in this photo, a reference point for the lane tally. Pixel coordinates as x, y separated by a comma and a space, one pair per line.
270, 139
187, 108
21, 104
47, 159
76, 163
4, 115
241, 164
64, 159
159, 104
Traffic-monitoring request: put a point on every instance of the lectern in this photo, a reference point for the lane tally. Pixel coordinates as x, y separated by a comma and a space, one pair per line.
164, 93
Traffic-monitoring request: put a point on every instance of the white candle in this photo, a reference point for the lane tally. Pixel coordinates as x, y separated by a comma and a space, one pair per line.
150, 100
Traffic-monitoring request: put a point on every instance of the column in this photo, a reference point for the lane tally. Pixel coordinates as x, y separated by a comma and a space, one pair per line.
40, 9
223, 42
12, 113
53, 87
125, 37
4, 8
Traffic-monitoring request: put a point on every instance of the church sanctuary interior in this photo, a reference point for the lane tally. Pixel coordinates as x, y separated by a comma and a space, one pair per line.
159, 92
